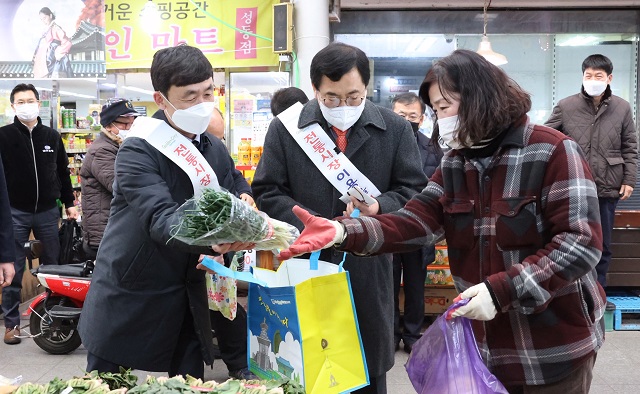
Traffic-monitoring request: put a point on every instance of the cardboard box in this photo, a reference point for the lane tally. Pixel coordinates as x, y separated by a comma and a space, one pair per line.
438, 275
436, 299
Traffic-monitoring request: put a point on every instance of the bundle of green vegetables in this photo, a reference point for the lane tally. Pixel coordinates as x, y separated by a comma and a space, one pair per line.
219, 217
125, 382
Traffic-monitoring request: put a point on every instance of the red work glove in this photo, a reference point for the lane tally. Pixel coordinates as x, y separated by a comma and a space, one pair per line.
319, 233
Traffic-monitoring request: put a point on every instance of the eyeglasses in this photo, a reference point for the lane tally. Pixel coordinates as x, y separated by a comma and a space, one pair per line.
333, 101
411, 118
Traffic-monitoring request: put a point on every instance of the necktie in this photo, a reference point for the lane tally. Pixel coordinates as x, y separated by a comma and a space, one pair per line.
341, 139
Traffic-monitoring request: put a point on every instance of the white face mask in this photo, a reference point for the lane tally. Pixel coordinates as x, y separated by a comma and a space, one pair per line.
193, 119
342, 117
447, 127
27, 112
122, 133
594, 88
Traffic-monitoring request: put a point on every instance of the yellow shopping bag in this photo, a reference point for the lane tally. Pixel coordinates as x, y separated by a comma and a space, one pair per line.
302, 325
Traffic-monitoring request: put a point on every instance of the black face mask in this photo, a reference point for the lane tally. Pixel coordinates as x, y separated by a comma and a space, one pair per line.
415, 126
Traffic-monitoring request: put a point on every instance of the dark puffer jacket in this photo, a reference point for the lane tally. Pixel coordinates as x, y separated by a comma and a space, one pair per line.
606, 135
96, 181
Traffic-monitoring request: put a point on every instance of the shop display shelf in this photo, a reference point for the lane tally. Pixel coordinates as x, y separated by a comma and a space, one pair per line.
626, 317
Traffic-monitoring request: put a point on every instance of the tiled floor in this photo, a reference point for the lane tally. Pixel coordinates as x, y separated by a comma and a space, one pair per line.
616, 369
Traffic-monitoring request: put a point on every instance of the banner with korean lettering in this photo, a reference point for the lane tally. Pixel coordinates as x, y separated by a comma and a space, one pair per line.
45, 39
231, 33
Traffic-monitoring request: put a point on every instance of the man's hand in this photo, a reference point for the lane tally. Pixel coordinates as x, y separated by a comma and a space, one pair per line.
365, 210
247, 198
7, 272
218, 259
481, 306
72, 213
319, 233
625, 192
232, 247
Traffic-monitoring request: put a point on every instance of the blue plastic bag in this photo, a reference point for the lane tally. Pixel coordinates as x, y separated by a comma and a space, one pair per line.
447, 360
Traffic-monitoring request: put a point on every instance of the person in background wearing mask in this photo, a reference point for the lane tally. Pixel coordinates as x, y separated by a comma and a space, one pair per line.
381, 145
36, 168
285, 98
96, 173
602, 124
147, 306
411, 268
516, 203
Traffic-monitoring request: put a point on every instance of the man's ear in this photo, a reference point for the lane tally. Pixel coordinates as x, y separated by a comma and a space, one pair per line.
159, 100
609, 78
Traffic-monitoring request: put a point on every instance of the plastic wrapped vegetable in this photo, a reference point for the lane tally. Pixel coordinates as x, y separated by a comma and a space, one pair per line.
219, 217
446, 359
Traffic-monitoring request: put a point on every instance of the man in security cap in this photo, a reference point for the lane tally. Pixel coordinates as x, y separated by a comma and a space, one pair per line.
97, 173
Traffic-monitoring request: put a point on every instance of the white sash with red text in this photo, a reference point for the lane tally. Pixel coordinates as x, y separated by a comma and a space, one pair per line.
320, 148
178, 149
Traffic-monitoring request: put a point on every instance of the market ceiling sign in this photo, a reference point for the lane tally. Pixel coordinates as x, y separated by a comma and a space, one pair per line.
231, 33
46, 39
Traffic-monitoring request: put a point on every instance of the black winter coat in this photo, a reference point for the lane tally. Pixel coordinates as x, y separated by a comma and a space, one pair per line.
36, 167
145, 282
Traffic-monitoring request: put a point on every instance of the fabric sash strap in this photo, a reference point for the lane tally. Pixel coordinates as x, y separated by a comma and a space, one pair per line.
320, 148
178, 149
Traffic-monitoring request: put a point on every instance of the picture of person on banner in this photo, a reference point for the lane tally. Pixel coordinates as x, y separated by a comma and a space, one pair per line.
518, 207
51, 57
147, 306
367, 146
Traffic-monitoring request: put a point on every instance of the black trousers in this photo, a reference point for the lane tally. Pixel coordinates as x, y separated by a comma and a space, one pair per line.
186, 359
410, 266
607, 214
232, 338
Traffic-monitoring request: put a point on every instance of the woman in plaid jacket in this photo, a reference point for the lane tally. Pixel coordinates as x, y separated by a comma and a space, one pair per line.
518, 207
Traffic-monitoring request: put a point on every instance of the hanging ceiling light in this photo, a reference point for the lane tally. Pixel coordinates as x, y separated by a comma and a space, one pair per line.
485, 46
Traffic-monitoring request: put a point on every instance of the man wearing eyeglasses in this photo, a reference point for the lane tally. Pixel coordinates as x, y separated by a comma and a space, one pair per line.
382, 147
96, 173
36, 168
411, 268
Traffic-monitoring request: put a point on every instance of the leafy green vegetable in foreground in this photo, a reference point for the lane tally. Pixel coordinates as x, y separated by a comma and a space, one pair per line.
219, 217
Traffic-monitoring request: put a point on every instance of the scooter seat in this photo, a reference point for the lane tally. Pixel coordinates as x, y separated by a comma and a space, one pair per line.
73, 270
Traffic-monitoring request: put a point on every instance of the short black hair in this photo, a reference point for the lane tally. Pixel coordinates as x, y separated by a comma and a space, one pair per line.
408, 99
23, 87
47, 11
337, 59
598, 62
285, 98
179, 66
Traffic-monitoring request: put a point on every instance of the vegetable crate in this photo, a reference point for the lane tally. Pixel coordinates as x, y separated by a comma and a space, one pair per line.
627, 314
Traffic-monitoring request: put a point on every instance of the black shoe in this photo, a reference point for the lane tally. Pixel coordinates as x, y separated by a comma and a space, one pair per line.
408, 347
242, 374
397, 347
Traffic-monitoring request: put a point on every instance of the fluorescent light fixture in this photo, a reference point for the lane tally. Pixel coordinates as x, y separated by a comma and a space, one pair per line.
139, 90
109, 85
65, 93
578, 41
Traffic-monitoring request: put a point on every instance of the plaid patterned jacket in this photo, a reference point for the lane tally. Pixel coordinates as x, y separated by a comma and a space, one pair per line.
528, 224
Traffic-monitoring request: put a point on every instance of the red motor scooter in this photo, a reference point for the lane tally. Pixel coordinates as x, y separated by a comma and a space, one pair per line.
54, 314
